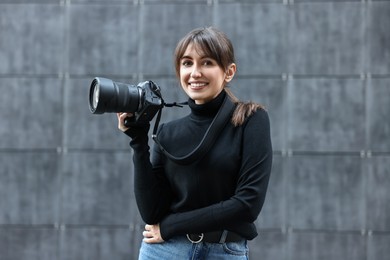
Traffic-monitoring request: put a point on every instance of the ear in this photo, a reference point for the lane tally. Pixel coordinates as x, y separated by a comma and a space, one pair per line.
230, 72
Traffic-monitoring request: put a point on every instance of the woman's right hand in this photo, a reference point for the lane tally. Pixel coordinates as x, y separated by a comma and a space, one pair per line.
121, 121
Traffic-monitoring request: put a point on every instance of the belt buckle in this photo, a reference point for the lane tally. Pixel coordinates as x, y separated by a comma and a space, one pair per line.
201, 235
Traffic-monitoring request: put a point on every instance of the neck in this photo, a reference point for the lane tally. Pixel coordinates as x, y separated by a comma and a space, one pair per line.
209, 109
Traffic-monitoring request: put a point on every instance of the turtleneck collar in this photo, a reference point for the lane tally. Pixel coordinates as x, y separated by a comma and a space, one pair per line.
207, 110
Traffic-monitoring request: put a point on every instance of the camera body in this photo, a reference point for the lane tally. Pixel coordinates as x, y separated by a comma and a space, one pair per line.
143, 100
150, 101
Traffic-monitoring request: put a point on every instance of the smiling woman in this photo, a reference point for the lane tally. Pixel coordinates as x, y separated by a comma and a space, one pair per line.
204, 208
201, 76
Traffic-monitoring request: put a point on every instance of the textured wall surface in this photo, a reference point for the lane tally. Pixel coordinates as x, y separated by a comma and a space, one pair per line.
322, 68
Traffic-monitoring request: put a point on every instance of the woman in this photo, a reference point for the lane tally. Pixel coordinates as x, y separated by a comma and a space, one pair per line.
204, 209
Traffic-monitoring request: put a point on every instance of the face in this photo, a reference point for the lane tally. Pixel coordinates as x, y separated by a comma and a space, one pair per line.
201, 77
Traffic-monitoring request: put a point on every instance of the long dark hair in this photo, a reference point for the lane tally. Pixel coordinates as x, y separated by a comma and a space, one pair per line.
215, 44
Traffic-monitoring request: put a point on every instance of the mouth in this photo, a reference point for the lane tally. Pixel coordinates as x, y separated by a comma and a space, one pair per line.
197, 85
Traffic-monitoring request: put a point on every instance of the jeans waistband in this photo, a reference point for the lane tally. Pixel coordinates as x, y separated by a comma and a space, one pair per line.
215, 237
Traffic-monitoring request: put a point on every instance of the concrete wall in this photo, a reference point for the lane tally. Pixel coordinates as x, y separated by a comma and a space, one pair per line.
322, 68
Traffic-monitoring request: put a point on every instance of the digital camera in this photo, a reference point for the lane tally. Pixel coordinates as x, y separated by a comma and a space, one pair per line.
143, 100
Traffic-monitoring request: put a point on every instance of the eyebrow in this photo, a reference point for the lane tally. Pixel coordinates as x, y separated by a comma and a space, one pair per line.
186, 57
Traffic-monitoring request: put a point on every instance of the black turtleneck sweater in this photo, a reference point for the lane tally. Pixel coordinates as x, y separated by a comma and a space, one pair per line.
224, 190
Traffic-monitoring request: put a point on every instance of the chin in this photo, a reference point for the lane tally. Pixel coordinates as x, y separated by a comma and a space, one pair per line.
197, 98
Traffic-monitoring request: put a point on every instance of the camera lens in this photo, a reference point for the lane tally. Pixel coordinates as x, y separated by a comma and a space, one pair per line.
106, 95
95, 97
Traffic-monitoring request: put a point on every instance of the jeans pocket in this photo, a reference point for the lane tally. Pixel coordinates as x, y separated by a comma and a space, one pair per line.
236, 248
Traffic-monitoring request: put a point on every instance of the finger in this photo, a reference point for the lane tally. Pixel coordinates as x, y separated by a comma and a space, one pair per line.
151, 240
124, 115
119, 116
147, 234
148, 227
148, 240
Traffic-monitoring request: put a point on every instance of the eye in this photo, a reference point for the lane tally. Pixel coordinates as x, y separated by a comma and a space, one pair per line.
208, 62
186, 63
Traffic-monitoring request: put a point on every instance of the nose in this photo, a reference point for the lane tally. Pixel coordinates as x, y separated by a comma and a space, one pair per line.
195, 73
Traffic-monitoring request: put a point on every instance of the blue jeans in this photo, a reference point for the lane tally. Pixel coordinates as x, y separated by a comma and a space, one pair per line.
180, 248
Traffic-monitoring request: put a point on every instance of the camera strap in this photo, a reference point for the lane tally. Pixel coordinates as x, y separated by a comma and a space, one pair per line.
220, 120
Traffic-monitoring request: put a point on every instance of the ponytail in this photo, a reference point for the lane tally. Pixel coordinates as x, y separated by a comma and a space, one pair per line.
243, 109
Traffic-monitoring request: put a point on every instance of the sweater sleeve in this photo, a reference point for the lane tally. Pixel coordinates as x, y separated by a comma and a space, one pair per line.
152, 190
245, 205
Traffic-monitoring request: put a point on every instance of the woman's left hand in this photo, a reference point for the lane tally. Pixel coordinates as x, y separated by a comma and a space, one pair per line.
152, 234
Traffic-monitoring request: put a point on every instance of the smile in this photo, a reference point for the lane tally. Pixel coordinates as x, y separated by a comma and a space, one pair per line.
198, 84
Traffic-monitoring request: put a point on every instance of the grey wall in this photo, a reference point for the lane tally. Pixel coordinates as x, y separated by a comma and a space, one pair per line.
322, 68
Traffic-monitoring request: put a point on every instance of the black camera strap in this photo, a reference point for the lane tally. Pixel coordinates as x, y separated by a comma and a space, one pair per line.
220, 120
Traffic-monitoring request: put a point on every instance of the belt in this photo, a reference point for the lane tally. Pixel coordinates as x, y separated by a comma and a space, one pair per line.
215, 237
